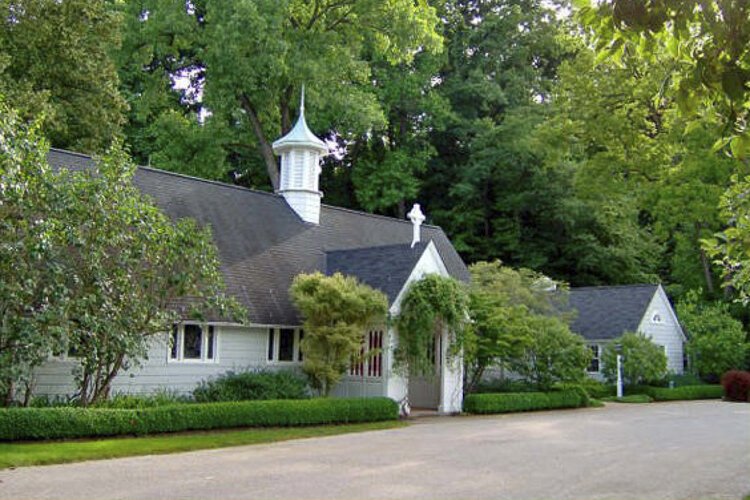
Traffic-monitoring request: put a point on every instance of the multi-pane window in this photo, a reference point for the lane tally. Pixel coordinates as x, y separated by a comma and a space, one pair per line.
284, 345
369, 362
594, 363
193, 342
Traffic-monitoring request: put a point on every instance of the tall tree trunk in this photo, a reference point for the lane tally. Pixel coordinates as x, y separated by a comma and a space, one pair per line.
266, 150
286, 116
705, 263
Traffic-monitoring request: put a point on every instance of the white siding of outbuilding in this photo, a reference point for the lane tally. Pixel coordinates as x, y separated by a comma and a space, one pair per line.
666, 332
239, 348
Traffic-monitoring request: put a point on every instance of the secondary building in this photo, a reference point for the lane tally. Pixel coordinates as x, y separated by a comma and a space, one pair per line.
606, 312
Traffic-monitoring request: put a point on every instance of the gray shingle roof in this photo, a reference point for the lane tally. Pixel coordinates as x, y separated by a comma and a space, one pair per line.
606, 312
385, 268
262, 242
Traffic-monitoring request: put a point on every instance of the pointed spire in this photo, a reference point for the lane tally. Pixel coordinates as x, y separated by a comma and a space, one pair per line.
300, 135
302, 101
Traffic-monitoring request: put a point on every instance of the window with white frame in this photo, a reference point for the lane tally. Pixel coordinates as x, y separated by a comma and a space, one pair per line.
284, 345
656, 318
369, 363
193, 342
594, 364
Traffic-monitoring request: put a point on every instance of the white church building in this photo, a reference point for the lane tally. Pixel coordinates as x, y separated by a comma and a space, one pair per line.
264, 241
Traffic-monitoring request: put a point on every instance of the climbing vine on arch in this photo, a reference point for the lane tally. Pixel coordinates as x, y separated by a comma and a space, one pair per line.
430, 305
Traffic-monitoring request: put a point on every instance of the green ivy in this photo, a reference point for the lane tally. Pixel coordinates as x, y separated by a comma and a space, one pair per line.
430, 305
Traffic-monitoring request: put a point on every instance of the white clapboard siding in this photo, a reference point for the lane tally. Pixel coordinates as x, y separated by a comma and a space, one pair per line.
239, 348
661, 325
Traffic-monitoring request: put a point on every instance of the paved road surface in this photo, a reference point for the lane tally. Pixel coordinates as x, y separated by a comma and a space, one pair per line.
660, 451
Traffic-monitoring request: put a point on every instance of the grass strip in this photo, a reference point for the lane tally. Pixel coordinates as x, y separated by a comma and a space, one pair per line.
631, 398
58, 452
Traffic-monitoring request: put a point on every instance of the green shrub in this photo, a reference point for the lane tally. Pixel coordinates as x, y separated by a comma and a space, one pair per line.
252, 385
736, 385
162, 397
687, 392
500, 384
62, 423
593, 388
525, 401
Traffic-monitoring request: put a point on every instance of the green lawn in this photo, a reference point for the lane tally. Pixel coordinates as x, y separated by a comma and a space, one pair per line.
632, 398
57, 452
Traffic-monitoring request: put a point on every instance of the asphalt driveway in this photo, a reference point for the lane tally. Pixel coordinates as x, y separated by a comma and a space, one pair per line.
691, 450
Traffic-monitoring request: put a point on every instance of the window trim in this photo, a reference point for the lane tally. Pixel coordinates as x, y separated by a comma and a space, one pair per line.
273, 342
597, 358
179, 331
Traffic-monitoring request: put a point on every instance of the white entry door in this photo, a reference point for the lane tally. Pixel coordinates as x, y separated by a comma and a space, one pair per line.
424, 390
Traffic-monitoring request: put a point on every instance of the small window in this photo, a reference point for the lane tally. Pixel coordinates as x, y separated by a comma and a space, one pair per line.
594, 363
193, 342
656, 318
286, 344
299, 349
271, 335
369, 362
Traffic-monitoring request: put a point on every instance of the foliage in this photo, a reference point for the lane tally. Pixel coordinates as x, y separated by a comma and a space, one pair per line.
94, 266
127, 263
643, 361
736, 385
47, 453
554, 354
716, 340
685, 393
729, 248
630, 398
60, 423
252, 385
708, 40
162, 397
33, 298
55, 67
430, 306
524, 401
337, 311
679, 380
501, 302
502, 384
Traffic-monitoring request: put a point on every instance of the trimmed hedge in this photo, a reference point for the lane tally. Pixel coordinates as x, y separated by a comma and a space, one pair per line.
687, 392
252, 386
524, 401
60, 423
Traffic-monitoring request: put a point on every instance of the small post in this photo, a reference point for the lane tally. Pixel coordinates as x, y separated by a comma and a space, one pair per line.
417, 218
619, 376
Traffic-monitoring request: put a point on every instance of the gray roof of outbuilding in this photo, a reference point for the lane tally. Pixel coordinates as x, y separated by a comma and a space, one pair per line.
606, 312
262, 242
385, 268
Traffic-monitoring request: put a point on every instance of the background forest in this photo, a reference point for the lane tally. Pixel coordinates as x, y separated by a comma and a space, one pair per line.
524, 130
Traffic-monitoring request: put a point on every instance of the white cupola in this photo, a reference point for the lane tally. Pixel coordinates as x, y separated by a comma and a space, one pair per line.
300, 152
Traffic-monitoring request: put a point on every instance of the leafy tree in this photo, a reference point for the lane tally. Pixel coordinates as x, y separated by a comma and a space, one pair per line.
554, 354
430, 306
709, 40
502, 305
337, 311
33, 298
127, 264
54, 63
716, 341
259, 53
643, 361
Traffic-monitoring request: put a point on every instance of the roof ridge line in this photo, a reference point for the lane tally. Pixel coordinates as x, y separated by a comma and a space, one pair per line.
250, 190
378, 216
634, 285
